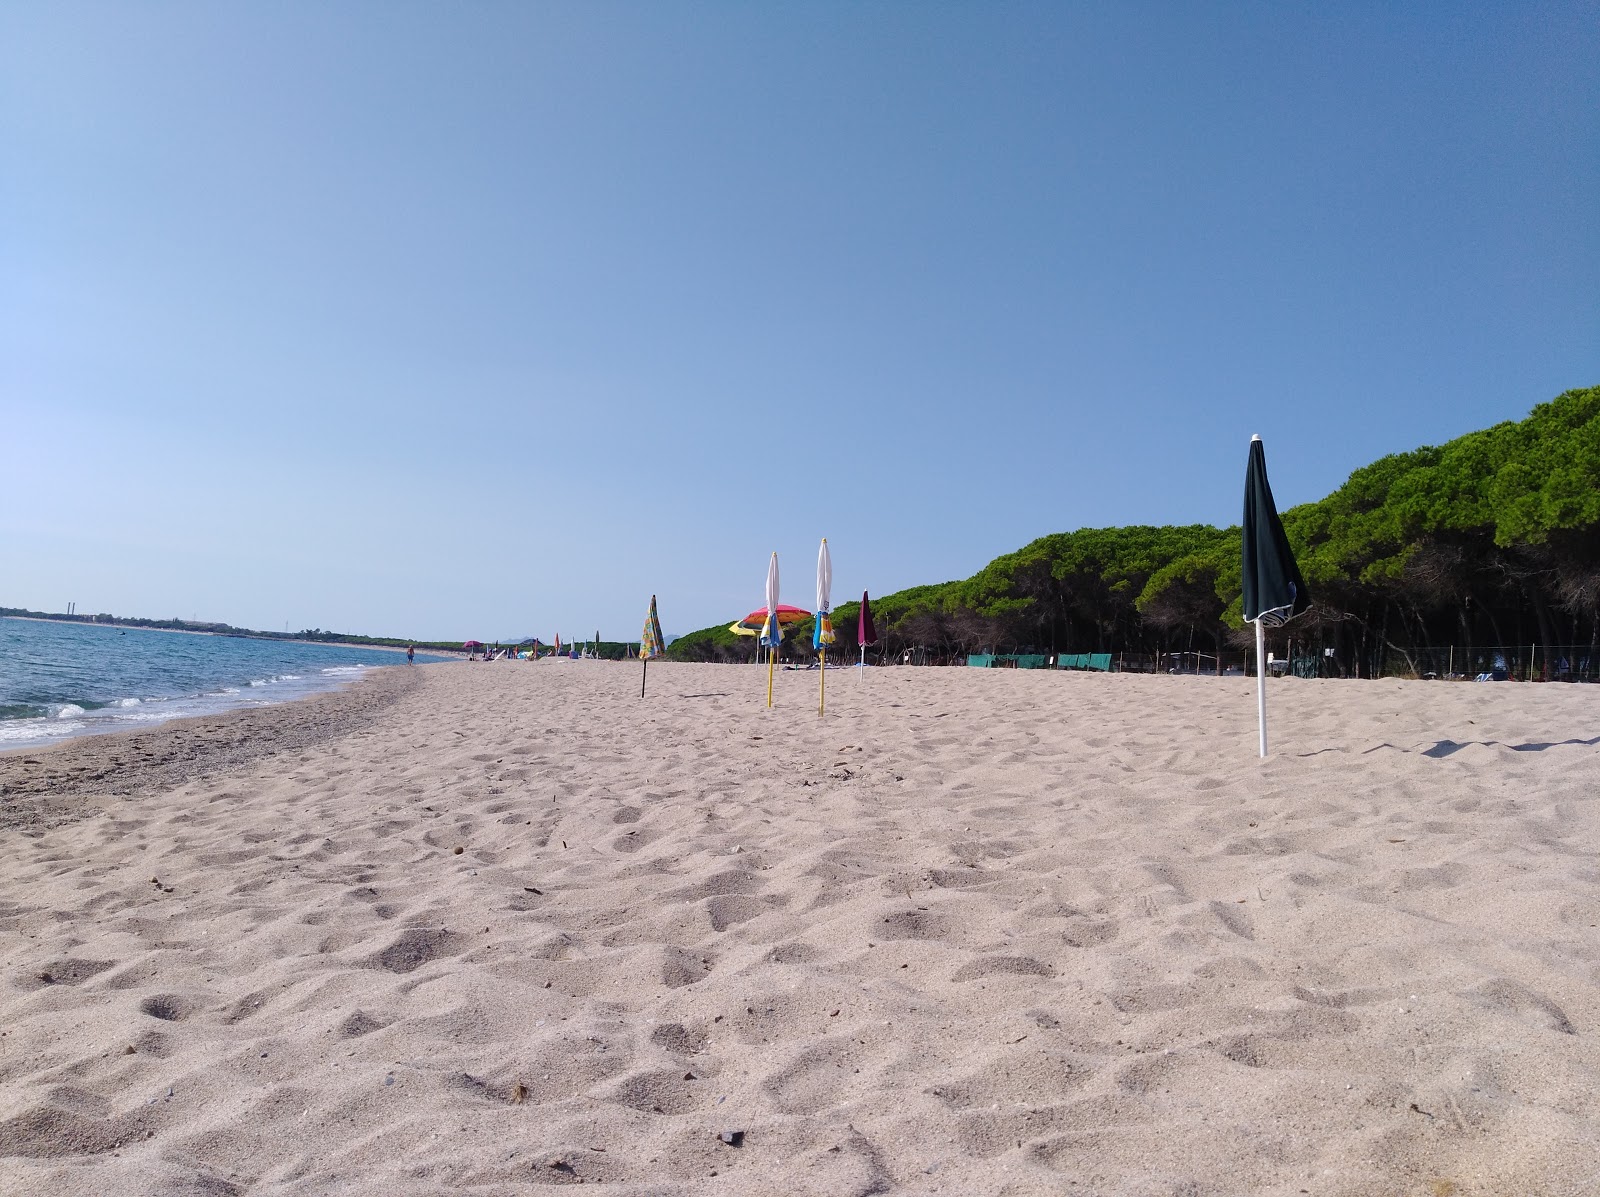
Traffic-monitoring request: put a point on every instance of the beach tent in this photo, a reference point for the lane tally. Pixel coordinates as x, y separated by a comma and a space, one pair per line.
822, 632
1274, 591
651, 643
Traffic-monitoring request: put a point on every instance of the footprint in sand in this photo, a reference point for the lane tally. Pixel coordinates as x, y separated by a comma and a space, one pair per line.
660, 1092
989, 966
246, 1006
169, 1007
915, 924
632, 841
727, 910
815, 1078
1506, 996
678, 1039
361, 1023
418, 946
48, 1132
680, 967
63, 972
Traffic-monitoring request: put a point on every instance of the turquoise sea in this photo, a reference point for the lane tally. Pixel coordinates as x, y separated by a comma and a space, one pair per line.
69, 679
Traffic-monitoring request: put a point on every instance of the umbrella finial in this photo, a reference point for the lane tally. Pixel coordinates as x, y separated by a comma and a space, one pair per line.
1255, 438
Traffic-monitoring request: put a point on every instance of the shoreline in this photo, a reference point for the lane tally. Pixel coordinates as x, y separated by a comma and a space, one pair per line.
256, 672
48, 784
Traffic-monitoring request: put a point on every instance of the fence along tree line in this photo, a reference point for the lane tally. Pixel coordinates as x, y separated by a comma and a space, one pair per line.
1489, 541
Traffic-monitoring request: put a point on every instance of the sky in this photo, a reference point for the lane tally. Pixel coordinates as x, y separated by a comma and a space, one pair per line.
492, 320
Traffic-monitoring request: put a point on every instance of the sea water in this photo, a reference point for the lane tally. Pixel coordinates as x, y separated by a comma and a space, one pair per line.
67, 679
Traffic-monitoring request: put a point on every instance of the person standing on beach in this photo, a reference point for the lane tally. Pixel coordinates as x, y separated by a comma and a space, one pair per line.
411, 654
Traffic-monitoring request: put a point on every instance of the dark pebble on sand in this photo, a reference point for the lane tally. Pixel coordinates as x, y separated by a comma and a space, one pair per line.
733, 1138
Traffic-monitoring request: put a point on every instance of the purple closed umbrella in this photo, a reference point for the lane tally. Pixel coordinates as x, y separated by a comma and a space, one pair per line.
866, 631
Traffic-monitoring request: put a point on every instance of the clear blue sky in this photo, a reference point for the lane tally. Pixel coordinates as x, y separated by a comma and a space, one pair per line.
293, 297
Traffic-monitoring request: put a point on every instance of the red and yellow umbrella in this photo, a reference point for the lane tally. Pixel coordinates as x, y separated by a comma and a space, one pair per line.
787, 616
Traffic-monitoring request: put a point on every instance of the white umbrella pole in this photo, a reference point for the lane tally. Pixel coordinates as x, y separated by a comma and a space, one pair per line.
1261, 684
863, 672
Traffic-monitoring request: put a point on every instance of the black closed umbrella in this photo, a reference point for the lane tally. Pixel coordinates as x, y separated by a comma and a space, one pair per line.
1274, 591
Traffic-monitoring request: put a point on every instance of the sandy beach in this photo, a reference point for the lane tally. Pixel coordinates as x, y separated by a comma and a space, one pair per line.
478, 928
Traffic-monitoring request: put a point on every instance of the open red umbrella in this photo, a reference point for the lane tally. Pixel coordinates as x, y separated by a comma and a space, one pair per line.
472, 644
787, 616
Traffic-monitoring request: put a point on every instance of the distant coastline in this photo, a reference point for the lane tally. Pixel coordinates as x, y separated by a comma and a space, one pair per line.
203, 628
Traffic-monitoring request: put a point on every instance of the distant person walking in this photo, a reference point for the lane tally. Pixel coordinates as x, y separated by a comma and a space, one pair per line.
411, 654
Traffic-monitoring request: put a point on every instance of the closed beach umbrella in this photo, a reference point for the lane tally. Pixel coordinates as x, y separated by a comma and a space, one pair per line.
866, 630
822, 632
772, 630
1274, 591
651, 643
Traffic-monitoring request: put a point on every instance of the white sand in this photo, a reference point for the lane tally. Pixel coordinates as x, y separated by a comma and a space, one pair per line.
978, 932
